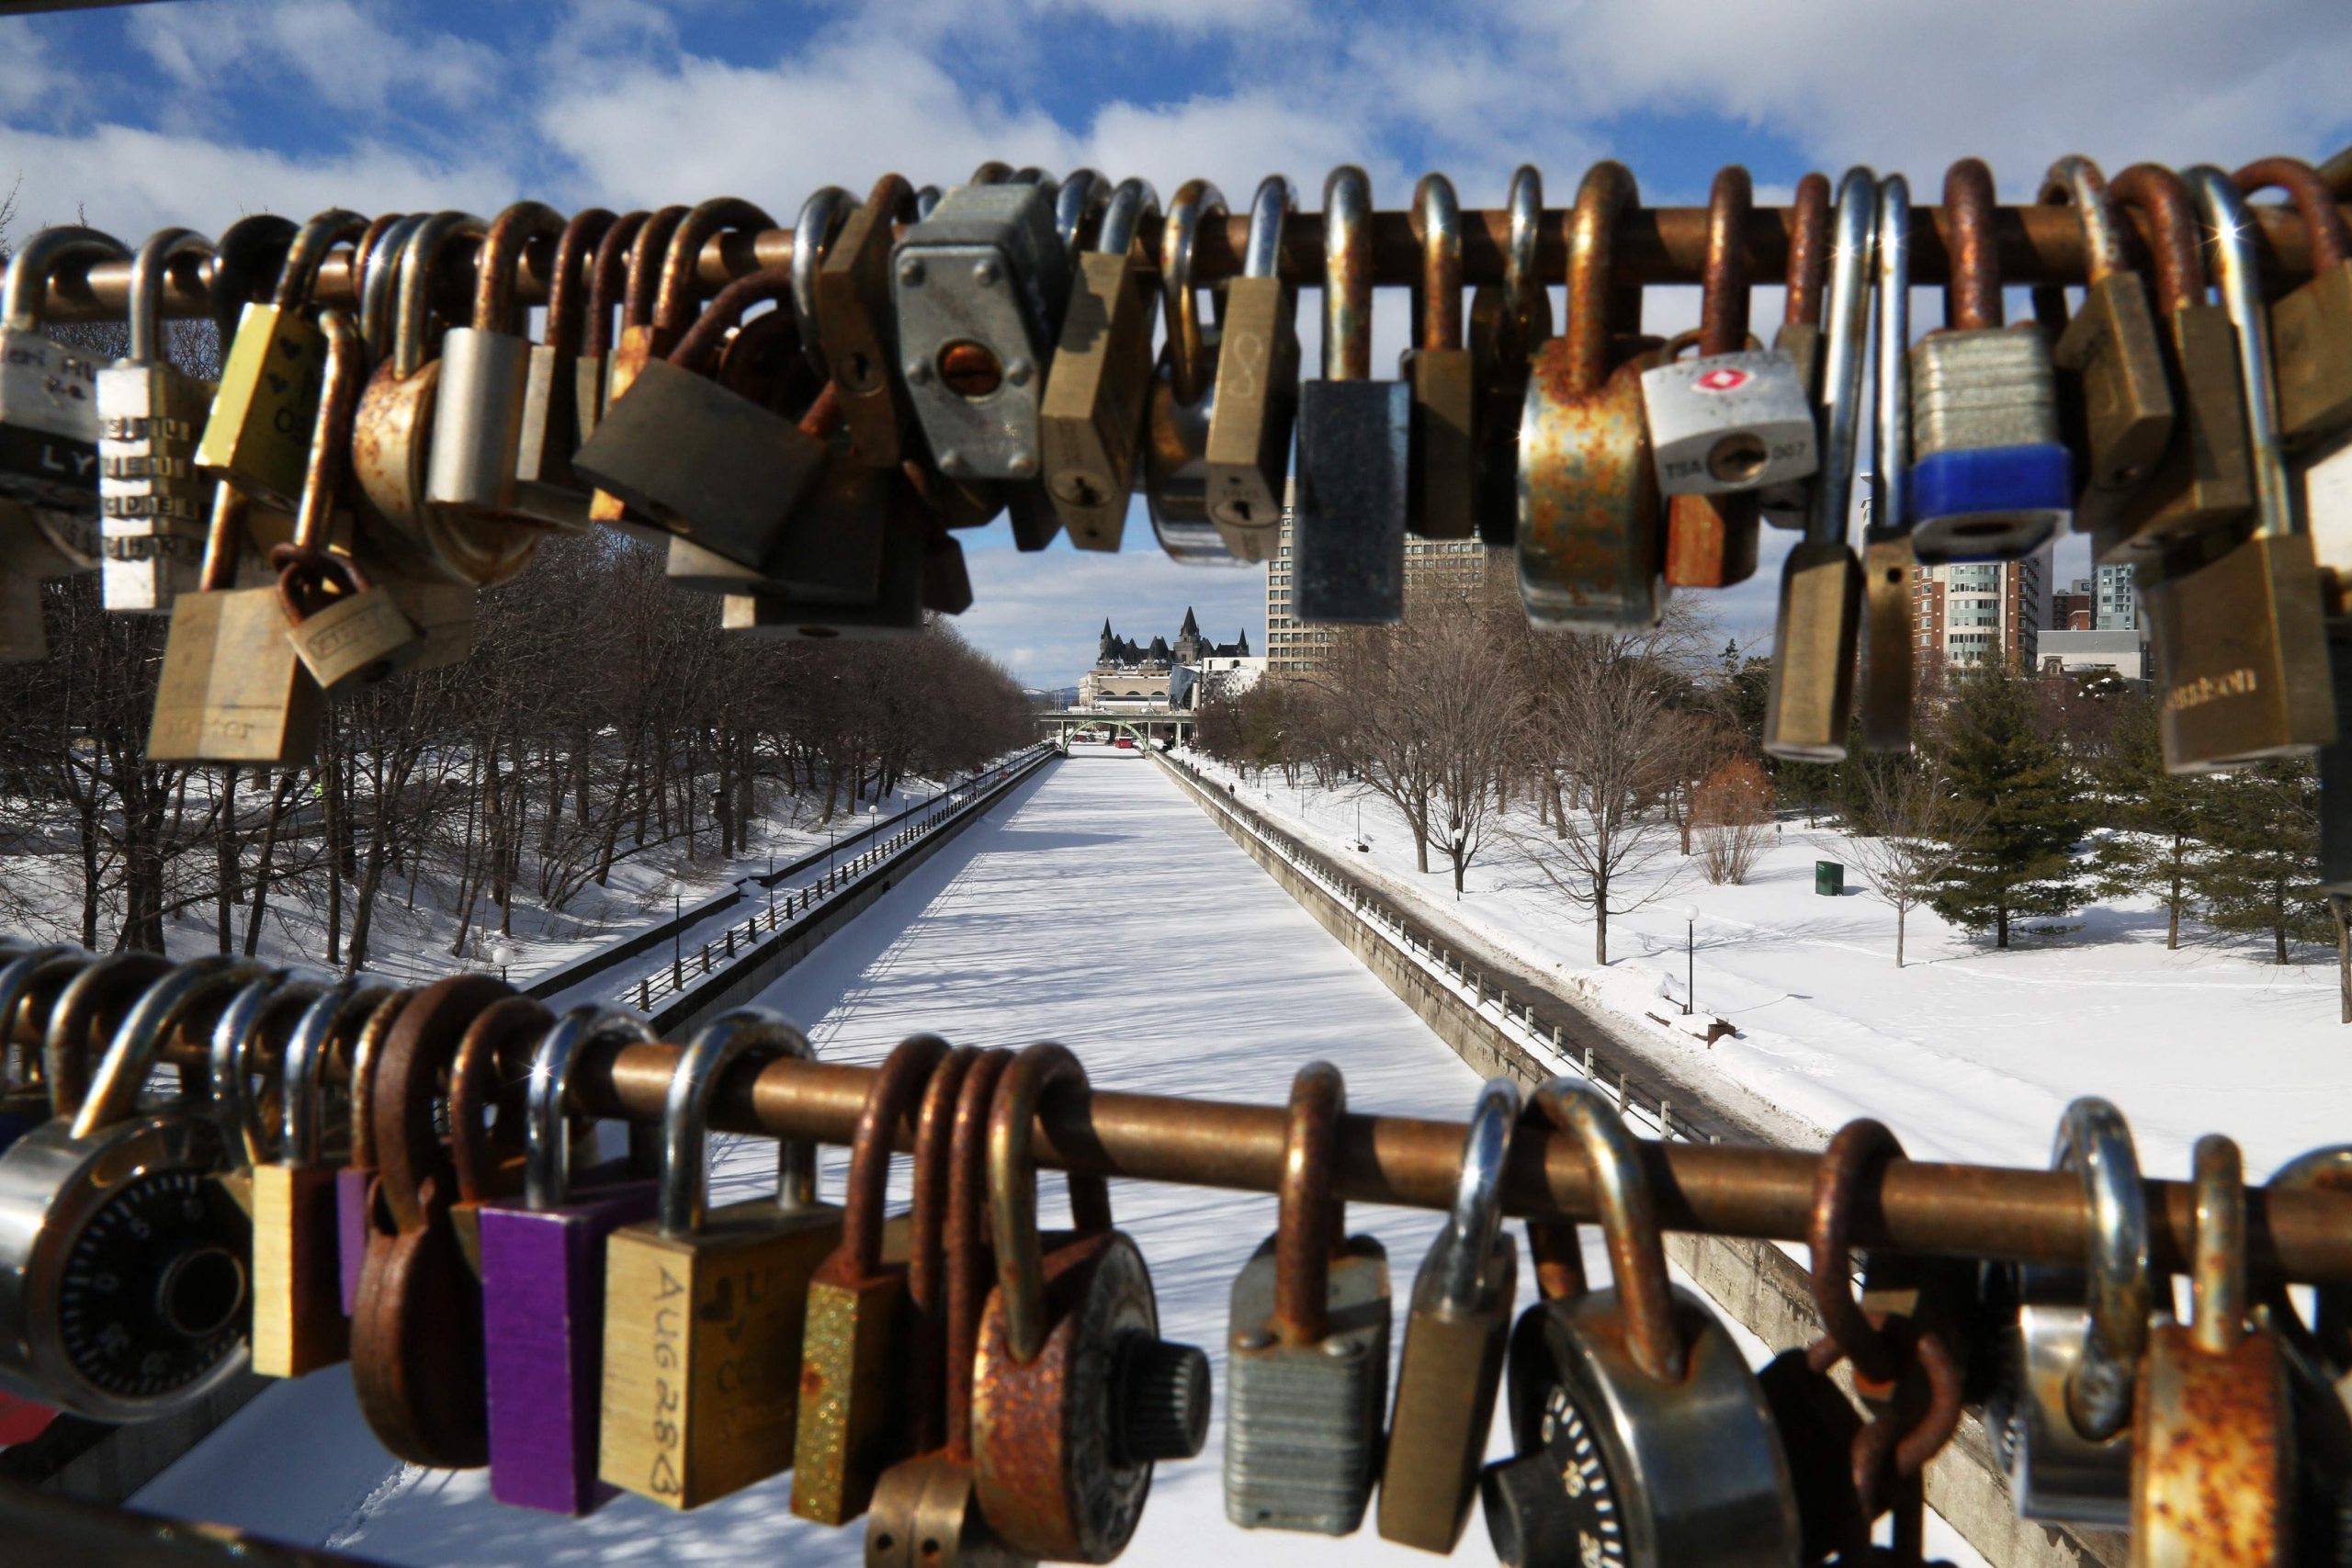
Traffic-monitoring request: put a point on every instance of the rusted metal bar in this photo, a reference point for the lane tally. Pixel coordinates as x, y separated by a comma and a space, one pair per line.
1663, 245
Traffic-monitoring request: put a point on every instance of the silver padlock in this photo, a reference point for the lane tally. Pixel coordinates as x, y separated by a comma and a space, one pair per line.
122, 1268
48, 393
1643, 1439
151, 502
1182, 400
978, 287
1306, 1355
473, 460
1728, 422
2064, 1421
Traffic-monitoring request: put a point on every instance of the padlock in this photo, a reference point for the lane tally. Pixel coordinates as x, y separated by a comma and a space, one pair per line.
1725, 424
1442, 480
979, 286
1888, 564
49, 396
857, 329
416, 1345
231, 689
1091, 419
1643, 1438
2241, 645
1182, 400
354, 1179
122, 1279
2318, 1356
1811, 696
854, 1356
232, 1066
924, 1513
821, 218
88, 1007
2111, 373
543, 1288
299, 1323
2075, 1352
1306, 1354
1991, 477
2203, 483
1454, 1336
704, 1311
1508, 321
27, 1095
486, 1113
1075, 1395
1254, 404
259, 429
608, 275
1789, 505
719, 471
895, 608
2311, 324
1589, 518
2212, 1460
545, 488
1354, 440
473, 460
150, 412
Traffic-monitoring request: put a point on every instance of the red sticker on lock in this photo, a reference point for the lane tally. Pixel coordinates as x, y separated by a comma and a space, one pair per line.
1722, 379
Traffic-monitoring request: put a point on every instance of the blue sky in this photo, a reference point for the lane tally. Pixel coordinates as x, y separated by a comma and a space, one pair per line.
197, 111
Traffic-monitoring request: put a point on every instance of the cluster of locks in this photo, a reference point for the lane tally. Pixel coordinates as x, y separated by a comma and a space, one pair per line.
936, 360
407, 1180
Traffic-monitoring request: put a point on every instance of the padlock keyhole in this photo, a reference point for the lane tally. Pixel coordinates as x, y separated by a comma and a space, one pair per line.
200, 1291
971, 369
857, 372
1738, 457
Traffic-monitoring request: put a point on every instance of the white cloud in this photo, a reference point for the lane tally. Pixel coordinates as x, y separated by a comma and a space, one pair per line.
342, 51
1194, 16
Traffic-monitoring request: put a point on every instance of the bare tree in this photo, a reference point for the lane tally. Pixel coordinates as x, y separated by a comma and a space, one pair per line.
1916, 825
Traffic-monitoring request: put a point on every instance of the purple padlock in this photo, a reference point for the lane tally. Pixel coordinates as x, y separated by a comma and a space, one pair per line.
543, 1288
353, 1183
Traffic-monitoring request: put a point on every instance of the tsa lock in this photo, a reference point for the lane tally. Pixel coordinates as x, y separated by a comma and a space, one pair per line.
1074, 1393
1643, 1438
1455, 1335
1306, 1356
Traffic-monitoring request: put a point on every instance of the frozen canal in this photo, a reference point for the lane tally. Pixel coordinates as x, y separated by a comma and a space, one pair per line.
1097, 907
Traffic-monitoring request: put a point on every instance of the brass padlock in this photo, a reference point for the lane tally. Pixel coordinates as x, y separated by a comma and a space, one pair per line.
551, 432
1442, 482
1455, 1338
2212, 1452
1091, 421
855, 1352
260, 425
1508, 321
1183, 395
855, 326
607, 281
2311, 325
1255, 400
1789, 504
2111, 376
231, 689
1074, 1393
703, 1308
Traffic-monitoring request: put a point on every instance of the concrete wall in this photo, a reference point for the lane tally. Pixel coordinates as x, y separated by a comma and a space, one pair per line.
1754, 1282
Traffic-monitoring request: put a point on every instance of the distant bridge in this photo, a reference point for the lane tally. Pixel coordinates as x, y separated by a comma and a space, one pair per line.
1145, 724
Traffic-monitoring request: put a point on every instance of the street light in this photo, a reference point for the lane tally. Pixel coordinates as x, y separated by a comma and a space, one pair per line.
1690, 913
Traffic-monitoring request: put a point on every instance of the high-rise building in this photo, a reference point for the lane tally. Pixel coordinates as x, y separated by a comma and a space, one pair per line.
1981, 613
2118, 609
1291, 647
2070, 607
1436, 570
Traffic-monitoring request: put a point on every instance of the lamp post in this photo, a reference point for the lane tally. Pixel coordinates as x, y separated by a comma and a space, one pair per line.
771, 890
1690, 913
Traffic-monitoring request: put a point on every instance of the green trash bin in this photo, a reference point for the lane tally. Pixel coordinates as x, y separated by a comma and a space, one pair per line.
1829, 878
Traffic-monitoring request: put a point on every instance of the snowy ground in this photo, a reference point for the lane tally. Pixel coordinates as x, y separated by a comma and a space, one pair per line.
1968, 1053
1098, 907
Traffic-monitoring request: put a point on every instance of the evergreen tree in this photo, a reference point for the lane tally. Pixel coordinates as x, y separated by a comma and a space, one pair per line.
2015, 861
2260, 826
2156, 817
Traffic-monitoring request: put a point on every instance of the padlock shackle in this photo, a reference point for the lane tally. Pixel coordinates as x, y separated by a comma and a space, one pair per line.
1842, 343
511, 234
1135, 199
2094, 1139
419, 259
19, 975
1808, 273
478, 1088
648, 250
673, 308
298, 274
897, 1095
927, 1261
821, 217
67, 1046
1607, 194
302, 1073
1270, 207
25, 290
231, 1068
1891, 431
608, 280
1723, 297
2329, 1333
367, 1056
569, 284
2217, 1270
1629, 1219
1854, 1153
967, 1240
761, 1036
145, 310
2331, 247
1188, 362
1436, 297
139, 1038
245, 267
1476, 1215
1347, 274
697, 348
547, 1128
420, 1052
380, 280
328, 462
1312, 1226
893, 198
1080, 199
1526, 302
2237, 280
1012, 1192
2160, 195
2078, 180
1973, 297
